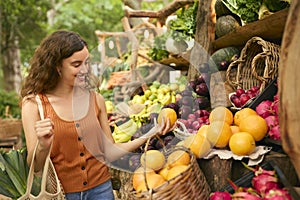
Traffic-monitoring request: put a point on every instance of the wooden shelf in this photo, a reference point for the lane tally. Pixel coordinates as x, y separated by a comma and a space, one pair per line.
269, 28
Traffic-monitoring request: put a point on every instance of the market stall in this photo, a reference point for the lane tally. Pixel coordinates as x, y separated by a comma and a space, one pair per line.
219, 60
224, 79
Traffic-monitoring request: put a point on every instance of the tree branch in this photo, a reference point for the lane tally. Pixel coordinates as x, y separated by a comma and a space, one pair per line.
161, 14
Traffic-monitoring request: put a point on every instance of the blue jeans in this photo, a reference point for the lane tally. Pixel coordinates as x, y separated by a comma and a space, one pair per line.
100, 192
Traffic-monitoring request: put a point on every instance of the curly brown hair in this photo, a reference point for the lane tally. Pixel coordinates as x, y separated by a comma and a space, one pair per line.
47, 59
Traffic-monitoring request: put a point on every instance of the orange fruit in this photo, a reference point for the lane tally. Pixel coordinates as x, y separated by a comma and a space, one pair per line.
175, 171
221, 113
242, 114
255, 125
219, 133
203, 130
139, 176
234, 129
153, 181
242, 143
164, 171
179, 157
154, 159
167, 114
198, 144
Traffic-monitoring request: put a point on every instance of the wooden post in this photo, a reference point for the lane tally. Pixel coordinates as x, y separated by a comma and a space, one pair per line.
204, 36
289, 90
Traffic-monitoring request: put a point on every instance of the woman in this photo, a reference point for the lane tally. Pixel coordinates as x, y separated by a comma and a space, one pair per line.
75, 128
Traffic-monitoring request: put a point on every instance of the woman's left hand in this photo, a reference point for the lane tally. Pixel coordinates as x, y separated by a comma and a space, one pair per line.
160, 129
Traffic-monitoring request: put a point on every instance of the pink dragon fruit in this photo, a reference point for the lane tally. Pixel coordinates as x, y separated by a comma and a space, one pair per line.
274, 107
244, 195
264, 109
278, 194
264, 180
271, 121
274, 132
220, 196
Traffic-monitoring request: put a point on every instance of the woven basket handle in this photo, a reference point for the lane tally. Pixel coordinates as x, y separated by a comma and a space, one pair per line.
262, 55
234, 83
43, 193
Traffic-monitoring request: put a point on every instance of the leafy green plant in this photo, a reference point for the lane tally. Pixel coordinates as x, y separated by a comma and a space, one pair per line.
14, 172
158, 52
9, 100
184, 27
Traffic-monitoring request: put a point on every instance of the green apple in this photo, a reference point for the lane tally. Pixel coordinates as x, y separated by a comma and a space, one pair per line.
147, 93
174, 86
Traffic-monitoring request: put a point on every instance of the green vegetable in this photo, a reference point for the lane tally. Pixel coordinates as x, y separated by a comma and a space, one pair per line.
276, 5
11, 163
9, 99
158, 51
181, 29
247, 10
185, 23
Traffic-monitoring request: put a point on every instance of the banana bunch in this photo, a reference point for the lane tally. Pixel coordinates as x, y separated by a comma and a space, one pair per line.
14, 172
124, 132
141, 117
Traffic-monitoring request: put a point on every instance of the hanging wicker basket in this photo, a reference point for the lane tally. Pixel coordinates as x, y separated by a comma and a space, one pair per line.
256, 66
190, 184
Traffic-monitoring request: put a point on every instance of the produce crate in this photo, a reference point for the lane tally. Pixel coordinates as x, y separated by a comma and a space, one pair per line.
10, 127
257, 65
267, 94
245, 181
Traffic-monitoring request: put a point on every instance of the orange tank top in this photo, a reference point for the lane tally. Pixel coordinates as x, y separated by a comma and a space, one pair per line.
74, 147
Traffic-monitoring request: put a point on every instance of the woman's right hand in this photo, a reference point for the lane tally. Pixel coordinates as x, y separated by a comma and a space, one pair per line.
45, 132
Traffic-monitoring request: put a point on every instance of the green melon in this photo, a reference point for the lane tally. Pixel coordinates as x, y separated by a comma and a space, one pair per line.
224, 54
225, 25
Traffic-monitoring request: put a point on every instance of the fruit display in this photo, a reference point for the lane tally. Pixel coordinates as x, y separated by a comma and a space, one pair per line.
157, 168
124, 131
264, 184
238, 132
268, 110
242, 97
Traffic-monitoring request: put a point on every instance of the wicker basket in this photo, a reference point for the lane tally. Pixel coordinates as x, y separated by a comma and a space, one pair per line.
190, 184
257, 65
10, 127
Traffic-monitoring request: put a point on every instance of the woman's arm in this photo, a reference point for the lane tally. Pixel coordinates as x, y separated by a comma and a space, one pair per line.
36, 130
113, 150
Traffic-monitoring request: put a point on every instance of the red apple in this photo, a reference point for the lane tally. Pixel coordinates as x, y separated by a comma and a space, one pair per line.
196, 125
197, 113
192, 117
244, 98
239, 92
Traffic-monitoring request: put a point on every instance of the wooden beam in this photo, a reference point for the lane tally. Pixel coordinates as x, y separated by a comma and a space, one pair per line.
271, 27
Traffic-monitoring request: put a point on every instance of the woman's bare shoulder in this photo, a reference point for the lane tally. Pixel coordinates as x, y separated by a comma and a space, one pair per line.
29, 100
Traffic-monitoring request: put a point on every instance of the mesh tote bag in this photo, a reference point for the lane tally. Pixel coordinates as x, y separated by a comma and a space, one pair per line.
51, 188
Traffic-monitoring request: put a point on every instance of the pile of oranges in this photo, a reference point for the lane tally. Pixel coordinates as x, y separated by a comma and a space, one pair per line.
156, 168
239, 131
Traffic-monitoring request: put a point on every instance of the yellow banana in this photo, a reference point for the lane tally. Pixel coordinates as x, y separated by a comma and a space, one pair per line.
127, 124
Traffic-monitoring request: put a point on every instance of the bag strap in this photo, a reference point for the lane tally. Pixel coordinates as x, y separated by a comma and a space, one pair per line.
46, 166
